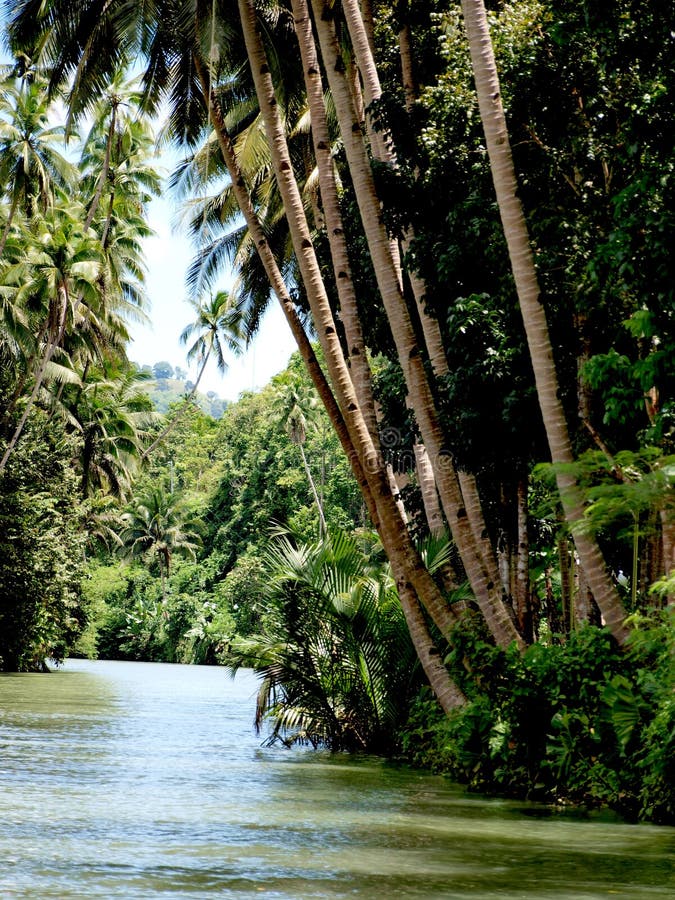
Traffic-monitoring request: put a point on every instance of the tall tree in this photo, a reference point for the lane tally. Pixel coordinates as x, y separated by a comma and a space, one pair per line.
532, 309
156, 525
295, 413
112, 417
31, 161
487, 592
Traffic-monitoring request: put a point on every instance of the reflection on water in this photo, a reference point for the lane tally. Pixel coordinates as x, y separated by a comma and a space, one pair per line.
137, 780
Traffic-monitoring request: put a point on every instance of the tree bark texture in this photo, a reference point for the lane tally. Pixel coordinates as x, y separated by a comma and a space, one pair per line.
395, 536
534, 317
487, 593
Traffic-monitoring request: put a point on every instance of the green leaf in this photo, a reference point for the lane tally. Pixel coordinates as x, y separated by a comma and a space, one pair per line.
623, 707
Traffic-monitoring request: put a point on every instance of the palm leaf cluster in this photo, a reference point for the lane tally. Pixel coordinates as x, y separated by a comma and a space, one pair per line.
157, 525
336, 663
72, 273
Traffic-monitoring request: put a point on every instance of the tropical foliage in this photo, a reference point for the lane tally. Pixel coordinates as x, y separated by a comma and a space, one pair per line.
336, 663
579, 722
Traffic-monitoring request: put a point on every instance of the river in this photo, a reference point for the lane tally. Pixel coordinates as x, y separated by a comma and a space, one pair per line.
139, 780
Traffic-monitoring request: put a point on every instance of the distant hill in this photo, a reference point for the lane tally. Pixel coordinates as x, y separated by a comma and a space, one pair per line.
166, 385
165, 391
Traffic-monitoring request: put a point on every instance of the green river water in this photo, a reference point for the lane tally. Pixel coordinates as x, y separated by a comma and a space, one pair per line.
139, 780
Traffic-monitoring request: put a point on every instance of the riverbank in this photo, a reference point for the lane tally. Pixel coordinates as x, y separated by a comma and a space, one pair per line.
582, 723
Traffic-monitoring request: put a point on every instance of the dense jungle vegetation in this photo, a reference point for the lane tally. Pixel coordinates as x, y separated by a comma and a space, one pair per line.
446, 531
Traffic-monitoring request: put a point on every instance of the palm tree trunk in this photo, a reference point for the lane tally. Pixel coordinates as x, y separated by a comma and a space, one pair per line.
474, 513
363, 42
405, 52
18, 390
108, 220
534, 317
162, 576
310, 479
566, 591
396, 494
369, 23
363, 458
522, 581
486, 591
272, 270
356, 351
103, 177
395, 537
179, 415
359, 24
323, 318
446, 691
427, 485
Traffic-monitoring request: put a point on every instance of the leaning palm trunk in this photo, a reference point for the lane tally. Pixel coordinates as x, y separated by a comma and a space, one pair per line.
476, 517
405, 52
356, 351
446, 691
271, 268
321, 311
17, 393
359, 23
363, 459
486, 590
522, 573
534, 317
323, 528
165, 432
411, 573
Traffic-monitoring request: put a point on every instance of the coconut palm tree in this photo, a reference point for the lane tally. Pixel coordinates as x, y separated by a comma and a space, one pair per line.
296, 412
123, 149
316, 289
487, 591
216, 330
356, 350
112, 418
156, 525
111, 121
61, 262
533, 313
30, 163
120, 145
16, 336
